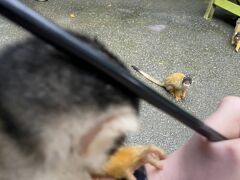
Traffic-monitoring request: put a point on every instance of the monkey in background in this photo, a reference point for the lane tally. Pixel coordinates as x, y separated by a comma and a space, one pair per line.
236, 36
59, 121
176, 84
237, 41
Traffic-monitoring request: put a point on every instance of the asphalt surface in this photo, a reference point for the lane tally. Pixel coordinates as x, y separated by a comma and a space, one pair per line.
160, 37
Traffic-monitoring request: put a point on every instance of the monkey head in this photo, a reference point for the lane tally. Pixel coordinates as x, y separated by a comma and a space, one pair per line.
187, 81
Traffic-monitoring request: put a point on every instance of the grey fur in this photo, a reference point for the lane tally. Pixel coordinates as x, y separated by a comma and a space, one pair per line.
38, 82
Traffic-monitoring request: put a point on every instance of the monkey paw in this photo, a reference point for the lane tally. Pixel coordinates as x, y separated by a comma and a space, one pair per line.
178, 98
152, 154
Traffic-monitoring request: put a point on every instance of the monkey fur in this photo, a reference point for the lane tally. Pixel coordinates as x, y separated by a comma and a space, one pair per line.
236, 36
176, 84
127, 159
58, 120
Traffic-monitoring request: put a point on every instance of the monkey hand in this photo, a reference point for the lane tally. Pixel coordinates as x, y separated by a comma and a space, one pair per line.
178, 98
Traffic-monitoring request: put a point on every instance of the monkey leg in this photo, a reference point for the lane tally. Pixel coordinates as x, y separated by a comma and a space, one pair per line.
184, 94
172, 92
170, 89
237, 47
178, 95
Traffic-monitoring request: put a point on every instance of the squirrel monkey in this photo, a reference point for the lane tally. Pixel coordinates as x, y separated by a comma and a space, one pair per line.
127, 159
236, 36
59, 121
176, 84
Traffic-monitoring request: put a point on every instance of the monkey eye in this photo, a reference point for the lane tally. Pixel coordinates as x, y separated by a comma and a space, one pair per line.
117, 143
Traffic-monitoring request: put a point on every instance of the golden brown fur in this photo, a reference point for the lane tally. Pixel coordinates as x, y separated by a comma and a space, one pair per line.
129, 158
173, 83
236, 36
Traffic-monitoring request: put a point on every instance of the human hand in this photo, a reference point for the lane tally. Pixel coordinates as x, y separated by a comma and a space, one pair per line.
200, 159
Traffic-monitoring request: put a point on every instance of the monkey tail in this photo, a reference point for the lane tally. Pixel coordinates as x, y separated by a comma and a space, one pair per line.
147, 76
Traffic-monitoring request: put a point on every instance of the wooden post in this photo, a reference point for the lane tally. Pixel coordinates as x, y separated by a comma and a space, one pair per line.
210, 10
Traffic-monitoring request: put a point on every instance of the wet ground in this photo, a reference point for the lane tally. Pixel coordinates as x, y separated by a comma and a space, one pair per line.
160, 37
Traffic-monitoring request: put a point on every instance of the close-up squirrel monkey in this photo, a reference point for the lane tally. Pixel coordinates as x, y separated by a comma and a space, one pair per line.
176, 84
236, 36
61, 121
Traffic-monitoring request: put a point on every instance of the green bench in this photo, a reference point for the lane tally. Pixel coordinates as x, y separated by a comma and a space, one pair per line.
224, 4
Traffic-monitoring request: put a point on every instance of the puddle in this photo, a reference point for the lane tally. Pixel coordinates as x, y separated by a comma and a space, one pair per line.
157, 27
